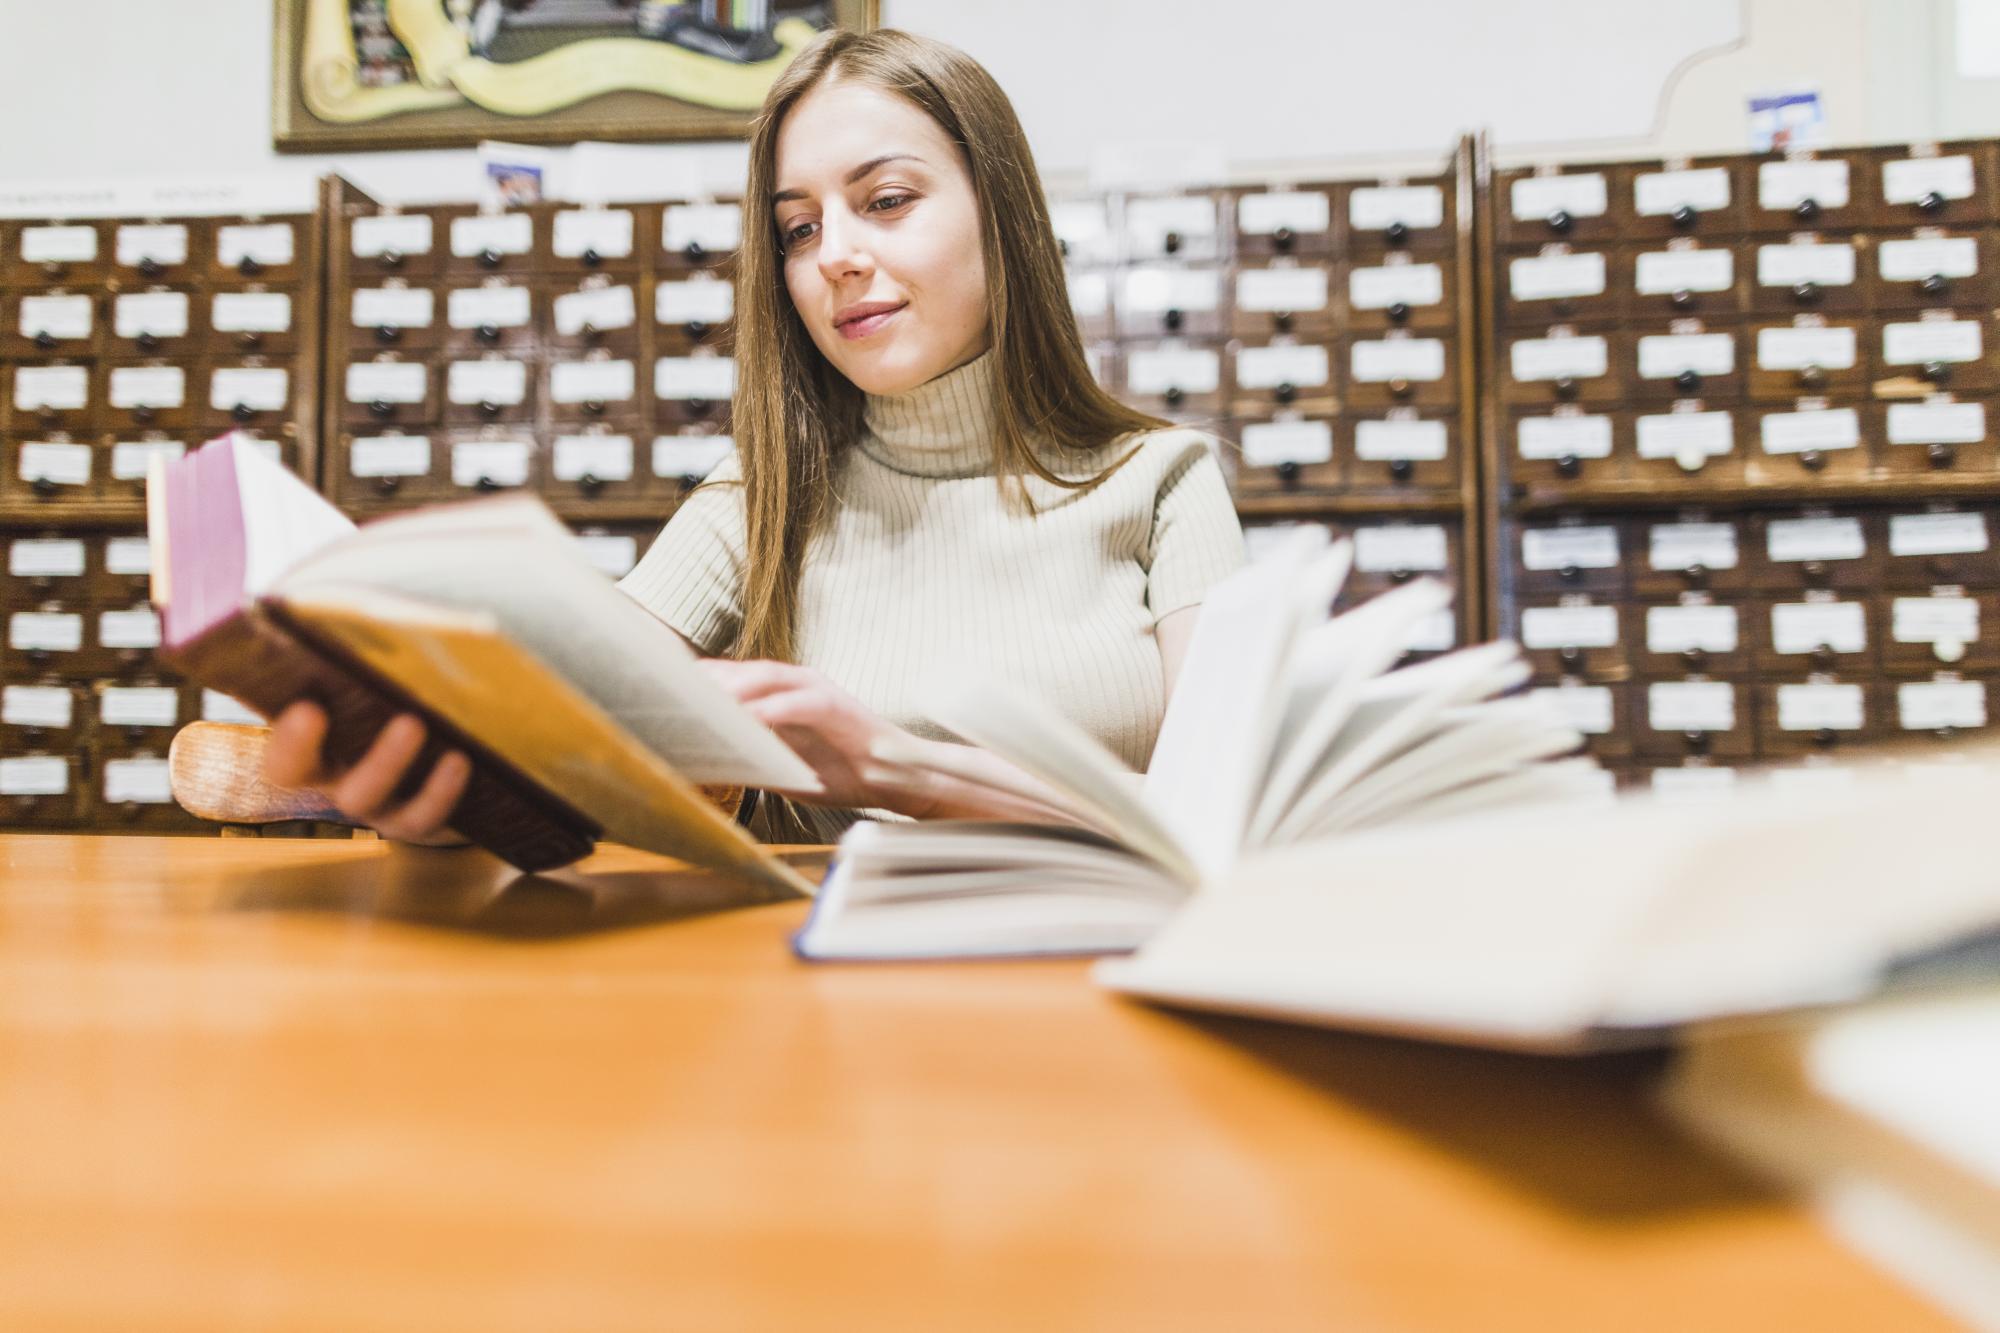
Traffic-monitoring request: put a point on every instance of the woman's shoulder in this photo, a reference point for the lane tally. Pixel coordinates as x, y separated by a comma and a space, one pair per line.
1169, 452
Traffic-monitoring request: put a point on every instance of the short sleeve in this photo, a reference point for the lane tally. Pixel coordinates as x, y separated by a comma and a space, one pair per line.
692, 577
1197, 540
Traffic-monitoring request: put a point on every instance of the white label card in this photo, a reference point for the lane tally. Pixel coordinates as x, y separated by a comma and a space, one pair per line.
593, 381
604, 457
1300, 212
500, 462
1689, 545
1269, 443
702, 378
128, 555
1691, 705
1907, 180
1686, 435
717, 228
1191, 216
160, 314
1379, 360
601, 308
131, 460
1569, 627
1281, 289
497, 233
37, 706
45, 557
1828, 264
1393, 284
268, 243
394, 307
1664, 272
1662, 356
1156, 290
1392, 548
1940, 256
689, 455
1822, 429
1534, 359
712, 301
388, 382
1569, 548
1157, 369
1677, 629
1934, 620
148, 386
1805, 627
36, 775
140, 781
1937, 423
47, 631
1554, 277
488, 307
389, 456
1658, 193
58, 245
1564, 437
219, 707
57, 388
62, 317
1946, 340
1937, 534
1299, 365
258, 388
1927, 705
1389, 441
392, 233
1784, 185
1535, 198
606, 232
1588, 708
1379, 207
163, 243
139, 706
56, 463
1795, 539
1815, 706
1797, 349
138, 627
251, 312
503, 383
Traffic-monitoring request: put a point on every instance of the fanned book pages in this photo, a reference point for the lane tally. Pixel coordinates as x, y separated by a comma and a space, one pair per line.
585, 716
1288, 726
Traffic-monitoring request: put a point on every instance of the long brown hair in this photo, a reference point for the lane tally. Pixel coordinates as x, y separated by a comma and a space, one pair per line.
794, 413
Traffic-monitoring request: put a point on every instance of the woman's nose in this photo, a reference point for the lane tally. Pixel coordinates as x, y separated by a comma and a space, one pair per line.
841, 251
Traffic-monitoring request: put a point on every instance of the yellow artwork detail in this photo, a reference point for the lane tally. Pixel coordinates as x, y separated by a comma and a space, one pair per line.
450, 75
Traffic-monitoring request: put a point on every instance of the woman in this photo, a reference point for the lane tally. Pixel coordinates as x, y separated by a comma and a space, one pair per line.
926, 475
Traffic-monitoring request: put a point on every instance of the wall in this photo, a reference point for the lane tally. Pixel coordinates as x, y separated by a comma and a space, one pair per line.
136, 87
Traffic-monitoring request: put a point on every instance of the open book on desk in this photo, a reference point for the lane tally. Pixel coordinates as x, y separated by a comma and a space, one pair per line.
1286, 726
585, 717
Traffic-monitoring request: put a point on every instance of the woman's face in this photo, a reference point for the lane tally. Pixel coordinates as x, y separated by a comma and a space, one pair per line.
879, 229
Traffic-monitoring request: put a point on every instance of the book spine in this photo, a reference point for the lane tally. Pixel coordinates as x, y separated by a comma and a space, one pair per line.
265, 663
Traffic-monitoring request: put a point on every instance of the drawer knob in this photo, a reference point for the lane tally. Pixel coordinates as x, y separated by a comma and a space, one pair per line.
1682, 299
35, 736
486, 484
1401, 575
1566, 387
590, 333
1402, 469
1284, 239
1569, 574
43, 583
1807, 293
249, 340
45, 340
1948, 651
1932, 202
694, 252
241, 413
595, 407
1688, 381
488, 334
1173, 395
135, 734
54, 269
1696, 575
250, 266
590, 483
1685, 217
143, 414
1171, 243
388, 333
380, 409
1941, 457
392, 259
697, 329
1401, 388
1824, 657
698, 407
489, 258
1396, 232
1173, 319
388, 485
1695, 659
489, 410
1561, 223
1288, 473
1937, 372
1813, 377
1285, 393
150, 267
39, 656
42, 487
1399, 312
1282, 321
1806, 210
1569, 465
688, 482
1697, 742
1815, 571
1812, 460
149, 341
1571, 658
1935, 285
48, 415
1946, 733
1826, 738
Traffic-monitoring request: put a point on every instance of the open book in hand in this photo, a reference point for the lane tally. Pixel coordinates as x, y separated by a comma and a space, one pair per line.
1287, 726
585, 717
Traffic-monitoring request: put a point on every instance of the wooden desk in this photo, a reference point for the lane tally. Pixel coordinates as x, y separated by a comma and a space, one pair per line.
310, 1085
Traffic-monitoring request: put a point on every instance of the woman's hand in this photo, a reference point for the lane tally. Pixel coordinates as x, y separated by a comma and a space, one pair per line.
363, 793
829, 728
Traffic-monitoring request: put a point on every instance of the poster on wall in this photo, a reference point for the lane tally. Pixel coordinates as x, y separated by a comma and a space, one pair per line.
361, 74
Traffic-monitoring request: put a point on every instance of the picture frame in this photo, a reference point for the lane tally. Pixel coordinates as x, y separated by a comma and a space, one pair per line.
391, 74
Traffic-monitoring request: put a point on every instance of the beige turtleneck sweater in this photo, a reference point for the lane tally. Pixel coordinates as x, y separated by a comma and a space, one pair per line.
924, 570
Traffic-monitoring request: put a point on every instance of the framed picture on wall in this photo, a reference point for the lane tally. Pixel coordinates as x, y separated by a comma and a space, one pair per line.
361, 74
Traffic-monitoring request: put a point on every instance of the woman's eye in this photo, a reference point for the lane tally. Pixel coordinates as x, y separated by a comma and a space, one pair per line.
795, 235
889, 201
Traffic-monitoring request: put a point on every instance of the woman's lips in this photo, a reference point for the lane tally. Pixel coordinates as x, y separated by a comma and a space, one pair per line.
867, 324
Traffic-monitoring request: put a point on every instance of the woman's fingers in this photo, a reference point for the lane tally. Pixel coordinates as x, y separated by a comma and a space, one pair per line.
363, 791
755, 680
423, 816
292, 757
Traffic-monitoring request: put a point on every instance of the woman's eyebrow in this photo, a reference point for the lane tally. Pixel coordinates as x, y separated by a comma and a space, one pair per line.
872, 164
